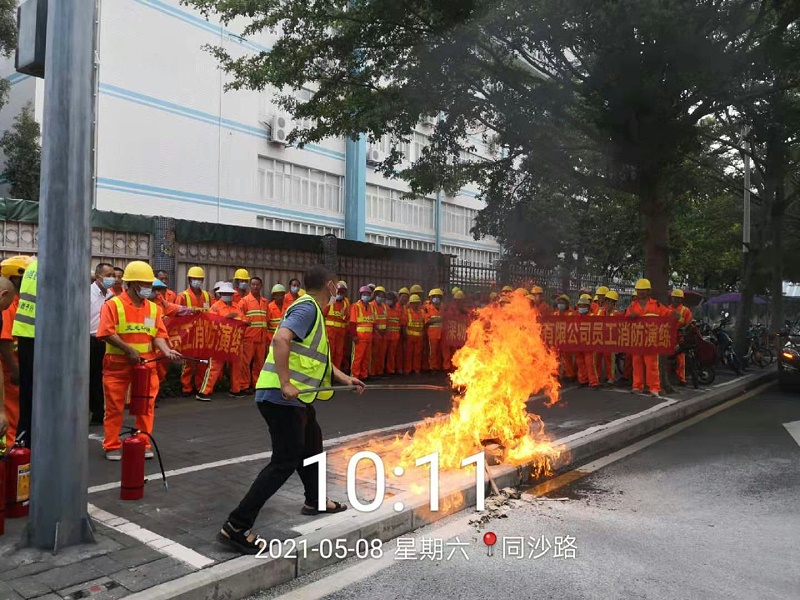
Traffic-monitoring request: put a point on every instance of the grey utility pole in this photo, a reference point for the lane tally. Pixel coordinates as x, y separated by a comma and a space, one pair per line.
59, 455
746, 199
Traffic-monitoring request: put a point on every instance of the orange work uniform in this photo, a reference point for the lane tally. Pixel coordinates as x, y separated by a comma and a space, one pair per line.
395, 321
288, 300
604, 361
256, 340
138, 326
645, 367
567, 358
214, 370
378, 364
171, 297
433, 327
362, 318
275, 315
168, 309
684, 317
587, 369
543, 308
337, 315
199, 301
11, 389
415, 330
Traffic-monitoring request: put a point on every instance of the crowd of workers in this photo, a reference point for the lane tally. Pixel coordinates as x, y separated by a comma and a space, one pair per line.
378, 333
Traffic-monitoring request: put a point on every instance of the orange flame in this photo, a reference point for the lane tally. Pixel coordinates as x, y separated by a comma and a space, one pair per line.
503, 362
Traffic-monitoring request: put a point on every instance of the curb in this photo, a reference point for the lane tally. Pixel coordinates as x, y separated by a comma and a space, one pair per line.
246, 575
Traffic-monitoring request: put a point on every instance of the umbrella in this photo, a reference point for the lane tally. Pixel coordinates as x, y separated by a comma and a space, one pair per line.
734, 297
692, 299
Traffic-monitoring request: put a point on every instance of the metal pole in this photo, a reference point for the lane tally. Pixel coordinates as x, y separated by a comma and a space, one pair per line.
61, 383
746, 223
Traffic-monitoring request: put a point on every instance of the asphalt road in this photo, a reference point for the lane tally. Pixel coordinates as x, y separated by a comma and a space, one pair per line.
712, 511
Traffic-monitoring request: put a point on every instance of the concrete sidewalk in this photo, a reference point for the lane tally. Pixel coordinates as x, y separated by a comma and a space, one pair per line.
163, 546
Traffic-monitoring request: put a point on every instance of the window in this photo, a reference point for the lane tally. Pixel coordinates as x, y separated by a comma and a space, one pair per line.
473, 256
292, 185
387, 205
389, 240
265, 222
457, 220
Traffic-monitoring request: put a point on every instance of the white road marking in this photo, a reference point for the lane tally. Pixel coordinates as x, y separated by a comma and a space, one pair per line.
794, 430
150, 538
366, 568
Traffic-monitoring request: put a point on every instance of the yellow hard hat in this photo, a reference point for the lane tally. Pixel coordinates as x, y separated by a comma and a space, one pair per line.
523, 290
643, 284
602, 290
596, 298
612, 295
301, 292
455, 290
677, 293
278, 289
196, 272
403, 290
417, 289
507, 288
15, 266
342, 285
414, 298
537, 290
379, 288
564, 297
138, 270
435, 292
493, 295
584, 299
241, 274
634, 294
529, 296
459, 295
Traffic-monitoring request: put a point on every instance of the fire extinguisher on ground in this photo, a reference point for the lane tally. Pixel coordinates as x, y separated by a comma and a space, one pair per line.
17, 462
133, 479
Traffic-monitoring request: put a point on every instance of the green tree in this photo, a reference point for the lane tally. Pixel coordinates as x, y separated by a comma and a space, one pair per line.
596, 95
8, 38
23, 155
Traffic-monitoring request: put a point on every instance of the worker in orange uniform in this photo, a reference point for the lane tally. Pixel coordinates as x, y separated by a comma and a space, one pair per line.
362, 324
627, 369
645, 367
196, 298
117, 288
538, 303
223, 307
133, 329
433, 329
168, 295
607, 360
563, 309
684, 316
13, 269
168, 309
587, 370
337, 316
414, 330
291, 295
276, 310
241, 284
395, 319
403, 294
255, 310
378, 364
600, 298
457, 311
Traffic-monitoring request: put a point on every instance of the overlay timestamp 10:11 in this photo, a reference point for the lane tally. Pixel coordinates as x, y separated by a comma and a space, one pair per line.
321, 459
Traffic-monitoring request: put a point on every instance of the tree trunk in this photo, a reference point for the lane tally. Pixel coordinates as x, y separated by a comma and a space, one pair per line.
776, 275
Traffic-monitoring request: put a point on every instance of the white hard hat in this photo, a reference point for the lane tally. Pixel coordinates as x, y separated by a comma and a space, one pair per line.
224, 288
216, 285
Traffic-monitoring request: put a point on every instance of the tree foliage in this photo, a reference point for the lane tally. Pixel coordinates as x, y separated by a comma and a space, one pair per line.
23, 155
8, 38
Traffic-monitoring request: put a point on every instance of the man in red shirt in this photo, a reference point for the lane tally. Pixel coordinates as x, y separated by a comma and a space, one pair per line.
645, 367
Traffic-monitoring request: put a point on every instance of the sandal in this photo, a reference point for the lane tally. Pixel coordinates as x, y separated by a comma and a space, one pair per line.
337, 507
237, 540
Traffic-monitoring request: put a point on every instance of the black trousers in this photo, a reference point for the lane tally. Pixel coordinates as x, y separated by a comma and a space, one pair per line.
97, 350
25, 355
295, 435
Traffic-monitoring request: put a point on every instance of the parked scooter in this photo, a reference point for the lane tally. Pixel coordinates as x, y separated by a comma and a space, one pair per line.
724, 343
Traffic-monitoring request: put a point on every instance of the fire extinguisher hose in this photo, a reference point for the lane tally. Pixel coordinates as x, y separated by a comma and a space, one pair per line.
202, 361
134, 431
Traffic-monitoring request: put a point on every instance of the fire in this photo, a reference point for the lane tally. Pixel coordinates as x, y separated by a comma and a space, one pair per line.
502, 364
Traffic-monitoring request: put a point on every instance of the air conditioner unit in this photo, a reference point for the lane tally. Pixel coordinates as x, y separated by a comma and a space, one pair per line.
281, 127
375, 156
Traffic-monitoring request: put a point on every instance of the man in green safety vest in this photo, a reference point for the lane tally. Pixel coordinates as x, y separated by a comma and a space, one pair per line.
24, 330
298, 359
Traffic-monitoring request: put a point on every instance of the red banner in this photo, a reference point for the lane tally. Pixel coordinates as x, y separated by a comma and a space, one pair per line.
454, 325
642, 335
203, 335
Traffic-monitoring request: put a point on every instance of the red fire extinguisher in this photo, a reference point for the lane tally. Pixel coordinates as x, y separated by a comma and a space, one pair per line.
140, 390
18, 481
133, 479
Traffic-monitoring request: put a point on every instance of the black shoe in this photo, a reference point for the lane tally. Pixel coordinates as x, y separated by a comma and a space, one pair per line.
682, 383
186, 394
203, 397
239, 394
237, 540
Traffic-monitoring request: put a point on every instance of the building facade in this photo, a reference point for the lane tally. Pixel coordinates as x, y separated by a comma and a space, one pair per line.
171, 141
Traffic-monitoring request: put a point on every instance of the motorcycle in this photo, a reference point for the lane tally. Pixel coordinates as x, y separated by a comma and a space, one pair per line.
724, 342
701, 355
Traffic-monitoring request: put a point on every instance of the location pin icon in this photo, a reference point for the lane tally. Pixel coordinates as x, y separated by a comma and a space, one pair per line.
490, 539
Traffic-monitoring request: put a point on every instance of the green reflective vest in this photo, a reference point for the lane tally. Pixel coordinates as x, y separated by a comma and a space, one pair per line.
309, 360
25, 321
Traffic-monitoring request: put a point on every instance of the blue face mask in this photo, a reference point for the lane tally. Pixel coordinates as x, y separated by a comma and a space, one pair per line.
242, 285
379, 300
294, 289
583, 310
436, 301
365, 299
562, 306
196, 283
145, 292
109, 282
390, 303
339, 297
227, 298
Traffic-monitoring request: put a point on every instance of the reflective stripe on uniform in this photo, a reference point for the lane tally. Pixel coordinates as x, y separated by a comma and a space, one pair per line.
124, 328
